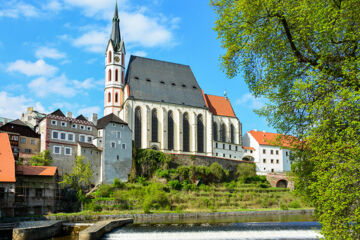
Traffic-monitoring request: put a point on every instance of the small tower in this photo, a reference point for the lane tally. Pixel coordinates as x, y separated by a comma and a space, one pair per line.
114, 69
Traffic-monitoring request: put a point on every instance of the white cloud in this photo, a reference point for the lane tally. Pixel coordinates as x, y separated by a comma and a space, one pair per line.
97, 8
53, 5
46, 52
88, 111
13, 106
249, 100
140, 53
38, 68
87, 83
93, 41
14, 9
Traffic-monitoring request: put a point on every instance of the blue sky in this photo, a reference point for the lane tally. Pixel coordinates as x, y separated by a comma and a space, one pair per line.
52, 52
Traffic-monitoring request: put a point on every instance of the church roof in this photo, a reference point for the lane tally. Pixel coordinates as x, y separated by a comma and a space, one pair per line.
219, 105
115, 32
159, 81
102, 122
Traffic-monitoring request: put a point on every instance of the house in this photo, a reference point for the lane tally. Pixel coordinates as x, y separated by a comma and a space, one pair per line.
32, 118
271, 151
4, 120
7, 177
25, 142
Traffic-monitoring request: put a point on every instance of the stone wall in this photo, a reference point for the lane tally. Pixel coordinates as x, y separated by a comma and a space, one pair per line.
279, 179
186, 159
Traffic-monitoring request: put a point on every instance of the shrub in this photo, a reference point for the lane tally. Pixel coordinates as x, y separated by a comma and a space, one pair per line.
141, 180
245, 170
156, 200
184, 173
104, 190
256, 179
264, 185
163, 173
294, 204
117, 183
147, 161
175, 184
93, 207
217, 172
284, 206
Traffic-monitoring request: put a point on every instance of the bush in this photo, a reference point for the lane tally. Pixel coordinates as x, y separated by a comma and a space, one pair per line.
147, 161
155, 200
175, 184
294, 204
217, 172
264, 185
256, 179
283, 206
93, 207
245, 170
104, 190
141, 180
163, 173
117, 183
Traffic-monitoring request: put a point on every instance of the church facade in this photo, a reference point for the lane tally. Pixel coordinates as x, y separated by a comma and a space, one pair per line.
165, 107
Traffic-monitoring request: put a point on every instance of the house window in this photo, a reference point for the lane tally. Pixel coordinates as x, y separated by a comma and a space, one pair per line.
264, 160
27, 150
223, 132
57, 150
223, 154
113, 144
70, 137
38, 192
118, 134
100, 133
217, 154
232, 138
15, 138
23, 140
89, 139
229, 147
264, 151
271, 152
272, 160
62, 136
67, 151
89, 128
63, 124
82, 127
82, 138
122, 77
251, 151
109, 75
186, 133
287, 153
55, 135
223, 146
33, 142
272, 170
74, 126
235, 148
277, 152
216, 145
117, 157
123, 146
277, 160
230, 156
53, 122
215, 131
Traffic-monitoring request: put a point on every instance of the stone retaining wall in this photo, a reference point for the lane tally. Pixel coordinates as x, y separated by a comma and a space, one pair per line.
37, 230
97, 230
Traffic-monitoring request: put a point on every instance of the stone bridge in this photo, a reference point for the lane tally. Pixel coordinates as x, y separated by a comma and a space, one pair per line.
281, 180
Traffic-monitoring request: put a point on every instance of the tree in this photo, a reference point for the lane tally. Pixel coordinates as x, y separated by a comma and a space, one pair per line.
303, 57
80, 178
245, 170
41, 159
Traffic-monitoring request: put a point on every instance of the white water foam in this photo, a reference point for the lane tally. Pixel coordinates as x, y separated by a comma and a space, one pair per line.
216, 235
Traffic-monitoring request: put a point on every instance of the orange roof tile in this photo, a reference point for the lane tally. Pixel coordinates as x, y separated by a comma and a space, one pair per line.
36, 170
273, 139
7, 161
219, 105
248, 148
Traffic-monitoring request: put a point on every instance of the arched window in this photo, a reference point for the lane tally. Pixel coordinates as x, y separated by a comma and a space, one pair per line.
138, 127
154, 126
109, 57
109, 97
116, 75
170, 131
122, 77
116, 97
123, 59
186, 133
232, 137
109, 77
223, 133
200, 134
215, 131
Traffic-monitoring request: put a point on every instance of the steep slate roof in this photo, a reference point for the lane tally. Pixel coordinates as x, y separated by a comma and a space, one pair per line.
219, 105
36, 170
115, 31
58, 113
272, 139
102, 122
81, 117
7, 161
20, 128
153, 80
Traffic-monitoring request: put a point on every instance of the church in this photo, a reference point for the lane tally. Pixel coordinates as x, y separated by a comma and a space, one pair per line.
165, 107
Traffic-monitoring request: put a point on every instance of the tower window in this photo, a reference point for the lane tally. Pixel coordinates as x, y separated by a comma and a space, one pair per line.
122, 77
109, 57
109, 97
116, 97
109, 77
116, 75
123, 59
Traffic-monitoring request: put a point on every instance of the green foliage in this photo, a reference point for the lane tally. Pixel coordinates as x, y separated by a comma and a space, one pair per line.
93, 207
104, 190
155, 198
219, 174
304, 58
175, 184
41, 159
245, 170
79, 178
141, 180
294, 204
117, 183
163, 173
256, 179
148, 161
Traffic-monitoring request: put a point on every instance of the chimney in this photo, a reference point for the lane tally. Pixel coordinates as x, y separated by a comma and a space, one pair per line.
94, 118
69, 114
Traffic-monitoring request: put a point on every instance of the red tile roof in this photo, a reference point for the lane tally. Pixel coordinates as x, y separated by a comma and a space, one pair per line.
248, 148
219, 105
273, 139
7, 161
36, 170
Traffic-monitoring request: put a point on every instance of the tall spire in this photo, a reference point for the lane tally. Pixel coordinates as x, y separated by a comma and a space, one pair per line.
115, 33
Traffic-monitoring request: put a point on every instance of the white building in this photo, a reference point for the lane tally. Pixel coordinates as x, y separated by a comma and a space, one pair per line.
272, 151
165, 107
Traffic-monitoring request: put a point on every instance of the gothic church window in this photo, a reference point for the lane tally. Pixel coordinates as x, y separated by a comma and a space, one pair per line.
222, 133
138, 127
215, 131
186, 133
116, 97
232, 133
170, 131
154, 126
200, 134
109, 77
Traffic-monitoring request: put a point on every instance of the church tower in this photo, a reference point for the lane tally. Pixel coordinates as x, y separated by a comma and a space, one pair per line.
114, 69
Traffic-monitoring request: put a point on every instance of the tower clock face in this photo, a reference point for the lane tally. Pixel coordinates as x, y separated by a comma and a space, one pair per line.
117, 59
